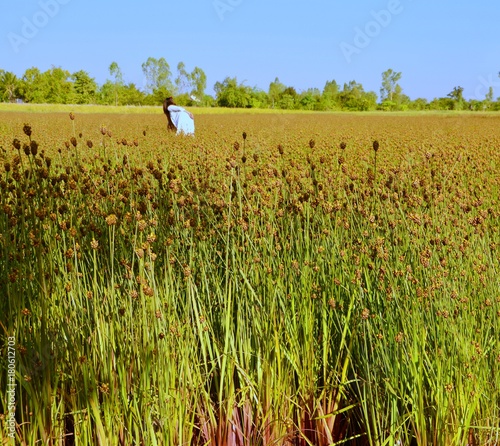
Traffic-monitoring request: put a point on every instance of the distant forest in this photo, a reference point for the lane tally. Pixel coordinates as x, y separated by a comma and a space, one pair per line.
59, 86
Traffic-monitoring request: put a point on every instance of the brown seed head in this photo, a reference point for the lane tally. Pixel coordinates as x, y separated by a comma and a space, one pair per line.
89, 144
370, 174
72, 116
27, 129
343, 145
244, 135
312, 143
34, 147
375, 146
17, 144
73, 141
111, 220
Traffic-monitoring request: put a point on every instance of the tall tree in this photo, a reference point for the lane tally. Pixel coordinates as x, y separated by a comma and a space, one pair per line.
198, 80
389, 84
57, 86
84, 87
157, 73
489, 95
8, 85
275, 91
30, 86
458, 98
331, 89
182, 81
329, 94
288, 99
116, 72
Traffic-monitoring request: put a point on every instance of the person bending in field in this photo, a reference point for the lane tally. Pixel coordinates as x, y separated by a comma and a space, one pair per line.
179, 119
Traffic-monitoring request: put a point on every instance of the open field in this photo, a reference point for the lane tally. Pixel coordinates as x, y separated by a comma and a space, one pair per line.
147, 109
141, 110
280, 279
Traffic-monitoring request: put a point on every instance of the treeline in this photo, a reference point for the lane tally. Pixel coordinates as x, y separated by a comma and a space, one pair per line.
59, 86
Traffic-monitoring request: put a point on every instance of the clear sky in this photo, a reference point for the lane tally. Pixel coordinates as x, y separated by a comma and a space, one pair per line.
436, 44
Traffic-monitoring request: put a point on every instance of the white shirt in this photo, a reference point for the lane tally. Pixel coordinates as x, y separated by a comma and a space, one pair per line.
182, 119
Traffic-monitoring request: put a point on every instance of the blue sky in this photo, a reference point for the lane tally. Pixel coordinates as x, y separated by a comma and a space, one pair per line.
436, 44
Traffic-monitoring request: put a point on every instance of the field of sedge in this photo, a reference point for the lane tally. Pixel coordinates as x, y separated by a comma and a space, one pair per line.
312, 279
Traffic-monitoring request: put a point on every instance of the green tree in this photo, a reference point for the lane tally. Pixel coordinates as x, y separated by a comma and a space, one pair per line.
116, 72
330, 94
390, 88
52, 86
275, 91
288, 99
182, 81
198, 81
84, 87
231, 94
30, 87
158, 82
488, 99
489, 95
457, 96
260, 99
353, 97
106, 93
418, 104
475, 105
442, 104
8, 85
310, 99
130, 95
58, 87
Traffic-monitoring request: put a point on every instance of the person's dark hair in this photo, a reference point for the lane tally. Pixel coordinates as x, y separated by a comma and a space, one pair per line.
166, 103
